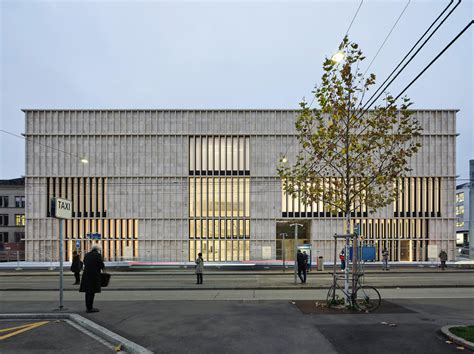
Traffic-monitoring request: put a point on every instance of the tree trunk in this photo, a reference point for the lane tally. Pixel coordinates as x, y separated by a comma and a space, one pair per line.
346, 257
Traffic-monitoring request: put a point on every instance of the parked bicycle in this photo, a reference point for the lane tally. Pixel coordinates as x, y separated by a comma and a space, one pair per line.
365, 298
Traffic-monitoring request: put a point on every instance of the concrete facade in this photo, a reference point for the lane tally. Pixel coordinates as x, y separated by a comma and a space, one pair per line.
138, 180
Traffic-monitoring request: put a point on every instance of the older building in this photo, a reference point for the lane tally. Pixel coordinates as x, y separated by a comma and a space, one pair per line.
163, 185
12, 219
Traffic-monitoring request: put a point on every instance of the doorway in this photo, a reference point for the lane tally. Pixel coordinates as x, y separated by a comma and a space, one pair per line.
285, 238
405, 251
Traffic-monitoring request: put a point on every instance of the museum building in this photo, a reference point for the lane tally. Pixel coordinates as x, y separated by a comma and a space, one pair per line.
163, 185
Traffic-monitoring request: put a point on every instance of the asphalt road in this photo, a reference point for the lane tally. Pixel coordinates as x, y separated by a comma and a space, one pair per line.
55, 336
267, 326
239, 280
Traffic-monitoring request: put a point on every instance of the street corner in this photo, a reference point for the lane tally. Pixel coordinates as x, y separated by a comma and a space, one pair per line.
48, 335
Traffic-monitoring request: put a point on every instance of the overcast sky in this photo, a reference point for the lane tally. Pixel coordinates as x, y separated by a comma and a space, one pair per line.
150, 54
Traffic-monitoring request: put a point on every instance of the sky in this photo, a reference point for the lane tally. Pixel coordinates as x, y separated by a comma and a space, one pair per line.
220, 54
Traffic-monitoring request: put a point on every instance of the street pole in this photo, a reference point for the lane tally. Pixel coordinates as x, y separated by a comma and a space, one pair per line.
60, 264
296, 248
283, 235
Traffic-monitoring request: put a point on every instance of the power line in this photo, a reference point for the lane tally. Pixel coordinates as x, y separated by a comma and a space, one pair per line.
388, 35
353, 18
436, 58
347, 32
36, 142
372, 100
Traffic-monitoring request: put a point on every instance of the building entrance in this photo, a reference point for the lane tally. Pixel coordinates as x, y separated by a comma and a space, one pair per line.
285, 238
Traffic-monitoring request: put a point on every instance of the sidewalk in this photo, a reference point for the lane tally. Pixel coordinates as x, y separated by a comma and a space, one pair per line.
157, 271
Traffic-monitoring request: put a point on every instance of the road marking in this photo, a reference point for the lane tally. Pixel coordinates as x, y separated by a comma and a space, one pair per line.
21, 329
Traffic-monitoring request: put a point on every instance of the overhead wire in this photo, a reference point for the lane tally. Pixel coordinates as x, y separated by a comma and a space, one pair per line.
386, 37
382, 88
36, 142
347, 32
436, 58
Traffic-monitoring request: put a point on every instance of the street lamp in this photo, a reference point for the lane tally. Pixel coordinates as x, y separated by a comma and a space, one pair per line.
84, 160
338, 57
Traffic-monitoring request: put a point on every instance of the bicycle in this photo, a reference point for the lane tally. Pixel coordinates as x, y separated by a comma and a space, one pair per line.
365, 298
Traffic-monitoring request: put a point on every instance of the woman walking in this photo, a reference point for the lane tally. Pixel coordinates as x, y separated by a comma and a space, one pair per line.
199, 268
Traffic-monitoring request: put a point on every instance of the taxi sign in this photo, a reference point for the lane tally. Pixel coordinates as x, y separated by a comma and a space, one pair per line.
61, 208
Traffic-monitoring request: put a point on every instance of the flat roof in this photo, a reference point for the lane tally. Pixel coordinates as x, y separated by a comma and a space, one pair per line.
196, 109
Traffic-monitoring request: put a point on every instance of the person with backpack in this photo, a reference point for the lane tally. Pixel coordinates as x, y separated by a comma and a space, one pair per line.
443, 257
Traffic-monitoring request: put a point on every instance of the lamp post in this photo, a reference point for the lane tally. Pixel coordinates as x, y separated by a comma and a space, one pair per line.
283, 248
296, 247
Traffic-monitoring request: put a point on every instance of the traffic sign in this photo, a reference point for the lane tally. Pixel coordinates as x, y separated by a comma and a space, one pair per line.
78, 244
93, 236
61, 208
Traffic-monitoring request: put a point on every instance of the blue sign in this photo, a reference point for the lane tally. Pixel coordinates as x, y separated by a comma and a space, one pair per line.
94, 236
78, 244
368, 253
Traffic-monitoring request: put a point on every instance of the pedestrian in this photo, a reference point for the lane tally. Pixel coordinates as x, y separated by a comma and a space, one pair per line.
308, 263
443, 257
385, 259
342, 258
199, 268
90, 282
76, 266
301, 266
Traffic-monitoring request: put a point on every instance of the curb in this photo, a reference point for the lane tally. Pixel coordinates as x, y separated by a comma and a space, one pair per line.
102, 332
458, 340
296, 287
13, 273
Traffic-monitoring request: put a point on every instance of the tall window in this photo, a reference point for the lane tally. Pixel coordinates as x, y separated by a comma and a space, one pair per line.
3, 201
3, 219
19, 236
460, 197
3, 237
219, 198
418, 196
20, 220
19, 201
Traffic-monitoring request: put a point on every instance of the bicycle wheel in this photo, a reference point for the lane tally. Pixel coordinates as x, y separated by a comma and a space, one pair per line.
367, 298
335, 296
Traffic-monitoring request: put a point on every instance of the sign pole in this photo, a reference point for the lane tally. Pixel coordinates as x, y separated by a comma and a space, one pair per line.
61, 209
61, 282
296, 248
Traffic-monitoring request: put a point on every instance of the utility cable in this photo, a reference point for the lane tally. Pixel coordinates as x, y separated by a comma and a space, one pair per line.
413, 47
388, 35
436, 58
372, 100
347, 32
36, 142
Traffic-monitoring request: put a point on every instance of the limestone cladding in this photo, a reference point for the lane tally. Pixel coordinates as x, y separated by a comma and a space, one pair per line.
142, 159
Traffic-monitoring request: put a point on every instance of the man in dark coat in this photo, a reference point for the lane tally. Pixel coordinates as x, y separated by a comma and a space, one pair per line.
300, 258
76, 266
90, 283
